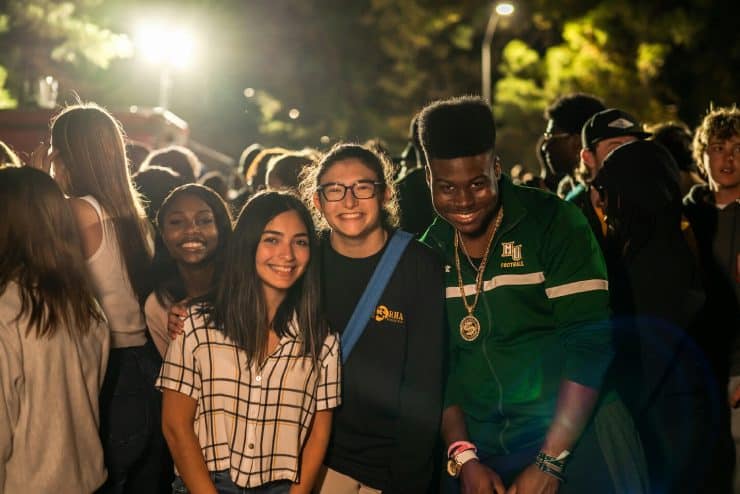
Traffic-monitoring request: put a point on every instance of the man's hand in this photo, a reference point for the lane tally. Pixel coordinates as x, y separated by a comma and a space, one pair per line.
532, 480
175, 317
476, 478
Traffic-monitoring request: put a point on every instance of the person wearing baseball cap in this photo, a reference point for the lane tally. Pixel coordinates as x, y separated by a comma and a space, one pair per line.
603, 132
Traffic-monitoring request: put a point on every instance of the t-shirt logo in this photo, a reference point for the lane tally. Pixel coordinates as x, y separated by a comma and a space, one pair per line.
383, 313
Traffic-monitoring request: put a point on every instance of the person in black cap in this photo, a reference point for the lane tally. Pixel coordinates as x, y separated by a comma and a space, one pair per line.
604, 132
657, 299
601, 134
561, 141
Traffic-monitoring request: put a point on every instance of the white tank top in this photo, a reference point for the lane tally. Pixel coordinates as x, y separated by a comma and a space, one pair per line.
113, 288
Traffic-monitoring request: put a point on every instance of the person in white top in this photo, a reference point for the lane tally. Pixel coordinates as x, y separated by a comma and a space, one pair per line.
53, 344
86, 156
193, 226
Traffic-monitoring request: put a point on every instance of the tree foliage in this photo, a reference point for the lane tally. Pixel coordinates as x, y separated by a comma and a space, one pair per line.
361, 69
41, 37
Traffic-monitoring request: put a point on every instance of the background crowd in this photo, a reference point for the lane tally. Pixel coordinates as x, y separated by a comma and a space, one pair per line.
114, 274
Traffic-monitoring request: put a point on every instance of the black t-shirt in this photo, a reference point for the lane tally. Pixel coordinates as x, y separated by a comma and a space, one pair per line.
384, 432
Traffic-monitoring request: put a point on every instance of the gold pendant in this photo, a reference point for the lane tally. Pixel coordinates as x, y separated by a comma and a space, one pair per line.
469, 328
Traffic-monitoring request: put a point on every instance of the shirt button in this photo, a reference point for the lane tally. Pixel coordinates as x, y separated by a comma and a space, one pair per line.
258, 378
250, 445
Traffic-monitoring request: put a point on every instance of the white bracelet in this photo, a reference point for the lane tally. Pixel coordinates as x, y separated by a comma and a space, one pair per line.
464, 457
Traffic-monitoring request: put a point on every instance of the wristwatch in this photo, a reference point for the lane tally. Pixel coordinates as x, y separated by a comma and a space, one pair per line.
455, 464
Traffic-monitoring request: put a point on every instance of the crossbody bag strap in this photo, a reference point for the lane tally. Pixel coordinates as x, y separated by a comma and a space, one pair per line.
382, 274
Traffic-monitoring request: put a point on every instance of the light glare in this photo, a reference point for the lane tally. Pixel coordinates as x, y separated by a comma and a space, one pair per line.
294, 113
163, 45
504, 9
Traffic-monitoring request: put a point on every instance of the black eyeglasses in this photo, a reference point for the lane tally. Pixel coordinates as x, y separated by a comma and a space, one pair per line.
362, 189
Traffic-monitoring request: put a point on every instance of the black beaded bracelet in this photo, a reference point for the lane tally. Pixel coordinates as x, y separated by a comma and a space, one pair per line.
551, 465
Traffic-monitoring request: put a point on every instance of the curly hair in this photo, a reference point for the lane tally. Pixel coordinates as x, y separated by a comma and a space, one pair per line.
719, 123
378, 163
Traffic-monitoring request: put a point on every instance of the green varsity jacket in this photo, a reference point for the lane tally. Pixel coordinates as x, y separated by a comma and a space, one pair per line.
544, 314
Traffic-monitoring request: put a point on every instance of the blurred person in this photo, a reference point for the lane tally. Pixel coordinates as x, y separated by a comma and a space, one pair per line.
714, 212
194, 226
8, 157
246, 158
561, 141
657, 298
528, 317
414, 199
677, 139
53, 344
257, 360
600, 135
136, 152
384, 433
242, 189
154, 183
283, 171
257, 171
177, 158
312, 154
86, 156
216, 181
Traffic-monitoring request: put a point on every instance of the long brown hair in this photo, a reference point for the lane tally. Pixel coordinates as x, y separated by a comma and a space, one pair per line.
40, 251
91, 145
239, 308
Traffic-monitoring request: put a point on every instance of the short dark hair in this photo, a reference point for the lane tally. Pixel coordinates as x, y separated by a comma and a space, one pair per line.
676, 137
455, 127
287, 168
154, 183
571, 111
178, 158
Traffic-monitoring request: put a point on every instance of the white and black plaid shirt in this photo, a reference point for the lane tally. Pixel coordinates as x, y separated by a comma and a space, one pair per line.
252, 421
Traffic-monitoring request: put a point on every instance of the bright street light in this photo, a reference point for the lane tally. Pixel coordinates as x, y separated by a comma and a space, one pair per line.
168, 47
501, 9
504, 9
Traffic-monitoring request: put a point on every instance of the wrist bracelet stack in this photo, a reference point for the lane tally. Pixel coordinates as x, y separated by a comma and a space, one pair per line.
458, 454
553, 465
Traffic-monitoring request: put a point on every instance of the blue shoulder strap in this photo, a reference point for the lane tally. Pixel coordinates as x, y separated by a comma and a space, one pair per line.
374, 289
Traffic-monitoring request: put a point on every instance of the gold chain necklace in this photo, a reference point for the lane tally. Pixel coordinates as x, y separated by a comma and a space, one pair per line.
469, 325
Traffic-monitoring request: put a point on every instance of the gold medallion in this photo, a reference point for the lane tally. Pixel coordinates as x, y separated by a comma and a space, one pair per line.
470, 325
469, 328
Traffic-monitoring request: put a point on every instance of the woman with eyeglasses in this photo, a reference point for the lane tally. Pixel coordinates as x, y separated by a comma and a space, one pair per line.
384, 433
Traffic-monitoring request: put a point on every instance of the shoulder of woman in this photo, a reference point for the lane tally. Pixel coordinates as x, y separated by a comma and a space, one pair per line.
84, 212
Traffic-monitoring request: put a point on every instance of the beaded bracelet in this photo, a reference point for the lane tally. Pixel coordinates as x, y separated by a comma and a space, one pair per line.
551, 465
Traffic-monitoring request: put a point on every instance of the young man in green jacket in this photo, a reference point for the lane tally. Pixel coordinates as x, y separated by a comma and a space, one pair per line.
530, 342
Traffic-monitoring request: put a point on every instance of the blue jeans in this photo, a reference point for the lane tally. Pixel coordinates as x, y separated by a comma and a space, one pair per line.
224, 485
131, 430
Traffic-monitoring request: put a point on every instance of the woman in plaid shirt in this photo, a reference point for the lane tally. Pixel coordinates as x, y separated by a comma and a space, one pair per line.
250, 384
